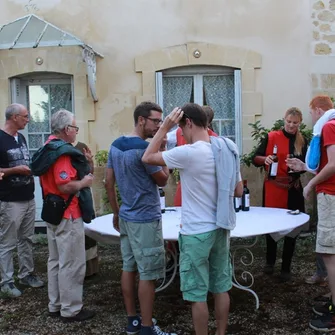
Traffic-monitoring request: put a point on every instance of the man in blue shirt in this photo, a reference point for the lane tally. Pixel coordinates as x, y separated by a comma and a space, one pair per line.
139, 217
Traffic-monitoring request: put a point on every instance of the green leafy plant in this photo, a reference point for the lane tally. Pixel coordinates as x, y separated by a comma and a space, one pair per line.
176, 176
41, 239
101, 158
259, 132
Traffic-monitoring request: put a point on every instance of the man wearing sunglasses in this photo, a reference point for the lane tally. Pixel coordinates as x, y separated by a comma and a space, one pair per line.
139, 218
207, 211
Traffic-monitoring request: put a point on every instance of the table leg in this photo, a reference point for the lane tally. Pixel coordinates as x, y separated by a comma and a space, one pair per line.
246, 260
163, 282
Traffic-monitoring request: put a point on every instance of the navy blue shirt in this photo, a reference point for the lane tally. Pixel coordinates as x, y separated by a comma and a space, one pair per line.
16, 187
138, 191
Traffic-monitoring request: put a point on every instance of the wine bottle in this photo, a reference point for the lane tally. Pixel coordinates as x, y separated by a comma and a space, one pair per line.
162, 199
245, 197
273, 168
237, 204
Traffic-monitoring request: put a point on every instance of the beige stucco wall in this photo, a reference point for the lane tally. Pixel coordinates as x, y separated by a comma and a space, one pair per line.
278, 31
66, 60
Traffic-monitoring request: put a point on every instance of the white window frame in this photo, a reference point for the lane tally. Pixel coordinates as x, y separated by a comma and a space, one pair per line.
19, 93
198, 73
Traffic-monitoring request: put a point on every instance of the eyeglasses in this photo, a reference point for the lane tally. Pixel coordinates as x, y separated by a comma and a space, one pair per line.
185, 116
74, 127
155, 121
26, 116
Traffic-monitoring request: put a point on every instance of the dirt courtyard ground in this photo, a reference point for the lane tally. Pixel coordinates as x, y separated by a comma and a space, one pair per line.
285, 308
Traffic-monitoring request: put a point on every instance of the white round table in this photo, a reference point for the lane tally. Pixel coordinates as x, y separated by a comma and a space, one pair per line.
257, 221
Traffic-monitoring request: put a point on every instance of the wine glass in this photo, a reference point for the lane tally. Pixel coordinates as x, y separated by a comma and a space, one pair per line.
289, 169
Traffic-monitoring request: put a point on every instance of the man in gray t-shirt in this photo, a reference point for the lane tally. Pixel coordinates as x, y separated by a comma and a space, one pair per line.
139, 217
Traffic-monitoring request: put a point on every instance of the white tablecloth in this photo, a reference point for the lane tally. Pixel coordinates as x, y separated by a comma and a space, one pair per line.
257, 221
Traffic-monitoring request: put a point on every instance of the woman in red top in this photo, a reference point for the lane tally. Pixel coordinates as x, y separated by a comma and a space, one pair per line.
285, 191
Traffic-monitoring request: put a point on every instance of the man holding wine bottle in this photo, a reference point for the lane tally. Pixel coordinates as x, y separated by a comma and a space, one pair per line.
282, 188
204, 238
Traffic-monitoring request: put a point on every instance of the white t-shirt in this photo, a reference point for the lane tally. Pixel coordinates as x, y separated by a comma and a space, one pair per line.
196, 166
171, 139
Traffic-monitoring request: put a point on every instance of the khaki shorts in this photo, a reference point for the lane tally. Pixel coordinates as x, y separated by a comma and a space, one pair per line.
325, 239
142, 248
205, 264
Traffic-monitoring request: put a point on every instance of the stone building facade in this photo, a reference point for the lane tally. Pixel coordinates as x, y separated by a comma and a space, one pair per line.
250, 59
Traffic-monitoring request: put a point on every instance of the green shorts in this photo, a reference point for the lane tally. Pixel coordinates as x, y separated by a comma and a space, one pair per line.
205, 264
142, 248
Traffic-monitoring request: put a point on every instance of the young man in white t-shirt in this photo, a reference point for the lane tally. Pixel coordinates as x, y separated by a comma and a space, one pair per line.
204, 247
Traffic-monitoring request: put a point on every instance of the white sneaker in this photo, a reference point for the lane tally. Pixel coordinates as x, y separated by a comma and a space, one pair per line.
10, 290
157, 331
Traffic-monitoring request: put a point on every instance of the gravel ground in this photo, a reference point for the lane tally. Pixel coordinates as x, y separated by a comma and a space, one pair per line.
285, 308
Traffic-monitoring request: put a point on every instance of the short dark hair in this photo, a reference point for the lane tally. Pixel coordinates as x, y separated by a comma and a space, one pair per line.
144, 109
195, 113
209, 112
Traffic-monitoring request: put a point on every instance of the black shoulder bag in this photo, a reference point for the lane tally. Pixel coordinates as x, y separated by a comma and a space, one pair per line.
54, 207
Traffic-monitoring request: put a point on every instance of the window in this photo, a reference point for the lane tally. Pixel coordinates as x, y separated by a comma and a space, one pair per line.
43, 97
218, 87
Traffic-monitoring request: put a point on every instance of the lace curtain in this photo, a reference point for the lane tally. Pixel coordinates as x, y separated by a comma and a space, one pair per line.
177, 91
219, 94
43, 101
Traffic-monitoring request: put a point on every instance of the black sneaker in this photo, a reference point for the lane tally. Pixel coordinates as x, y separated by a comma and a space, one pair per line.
54, 314
134, 327
325, 323
285, 276
268, 269
83, 315
323, 309
32, 281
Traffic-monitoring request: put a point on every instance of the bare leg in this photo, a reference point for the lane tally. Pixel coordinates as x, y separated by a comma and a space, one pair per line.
330, 265
146, 295
200, 317
128, 282
222, 303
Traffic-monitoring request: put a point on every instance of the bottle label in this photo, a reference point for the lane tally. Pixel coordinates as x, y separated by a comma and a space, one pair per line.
247, 200
237, 202
162, 199
274, 168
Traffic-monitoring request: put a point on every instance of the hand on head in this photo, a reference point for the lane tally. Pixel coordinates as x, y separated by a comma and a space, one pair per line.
173, 118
